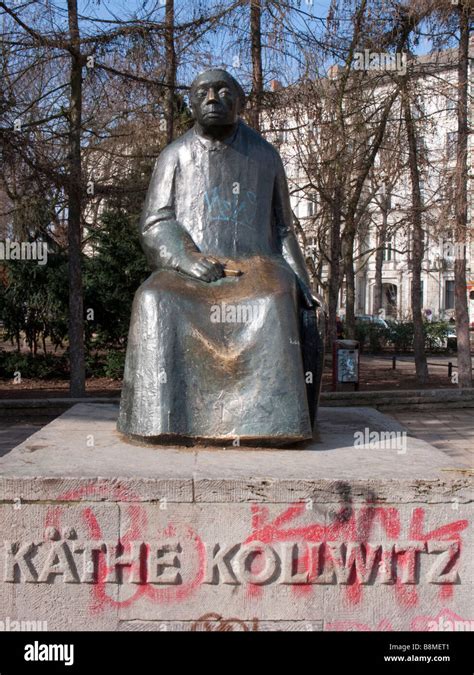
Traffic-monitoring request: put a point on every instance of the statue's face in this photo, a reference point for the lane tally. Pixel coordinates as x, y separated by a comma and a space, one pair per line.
214, 100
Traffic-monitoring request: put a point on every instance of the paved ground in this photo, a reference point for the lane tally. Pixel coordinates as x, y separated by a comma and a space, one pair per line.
451, 431
14, 432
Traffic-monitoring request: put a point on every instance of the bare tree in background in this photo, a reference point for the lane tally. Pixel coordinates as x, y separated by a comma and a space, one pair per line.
256, 56
170, 69
447, 19
466, 15
65, 135
89, 124
417, 249
76, 302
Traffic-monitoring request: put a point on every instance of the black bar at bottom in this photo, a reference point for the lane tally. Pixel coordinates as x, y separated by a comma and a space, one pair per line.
158, 651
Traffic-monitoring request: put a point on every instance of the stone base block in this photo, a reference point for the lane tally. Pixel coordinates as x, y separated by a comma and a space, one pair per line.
364, 529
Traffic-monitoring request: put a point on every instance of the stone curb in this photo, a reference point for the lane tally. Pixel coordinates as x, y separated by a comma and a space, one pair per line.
420, 399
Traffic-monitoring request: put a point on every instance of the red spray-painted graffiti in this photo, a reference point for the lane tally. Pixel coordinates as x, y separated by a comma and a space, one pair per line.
346, 524
137, 526
350, 524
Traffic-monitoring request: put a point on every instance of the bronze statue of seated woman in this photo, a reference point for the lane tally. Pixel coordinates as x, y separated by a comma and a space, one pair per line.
224, 341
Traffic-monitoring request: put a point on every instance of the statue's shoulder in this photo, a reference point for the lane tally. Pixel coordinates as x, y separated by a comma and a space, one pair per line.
256, 140
171, 152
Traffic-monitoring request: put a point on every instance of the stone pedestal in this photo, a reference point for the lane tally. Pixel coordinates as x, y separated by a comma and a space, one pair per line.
363, 529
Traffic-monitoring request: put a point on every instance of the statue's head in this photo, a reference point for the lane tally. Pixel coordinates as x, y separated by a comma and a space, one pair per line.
216, 99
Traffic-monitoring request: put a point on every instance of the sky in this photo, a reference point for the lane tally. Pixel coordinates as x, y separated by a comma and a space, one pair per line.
223, 49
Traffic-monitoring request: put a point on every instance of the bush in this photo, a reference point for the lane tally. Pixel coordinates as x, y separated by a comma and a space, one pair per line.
94, 364
111, 277
33, 301
401, 336
40, 366
110, 364
436, 335
377, 337
361, 333
371, 336
114, 365
57, 367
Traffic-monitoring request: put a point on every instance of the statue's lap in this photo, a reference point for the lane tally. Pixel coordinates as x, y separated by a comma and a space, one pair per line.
261, 276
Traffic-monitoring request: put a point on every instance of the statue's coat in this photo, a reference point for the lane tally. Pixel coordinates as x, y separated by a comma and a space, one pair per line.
193, 369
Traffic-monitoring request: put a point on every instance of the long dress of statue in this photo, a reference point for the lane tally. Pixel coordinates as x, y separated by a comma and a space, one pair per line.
210, 355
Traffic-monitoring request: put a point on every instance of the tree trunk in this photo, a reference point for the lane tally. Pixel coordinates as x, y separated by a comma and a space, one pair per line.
76, 304
417, 246
352, 222
170, 77
257, 72
334, 268
350, 284
460, 271
377, 302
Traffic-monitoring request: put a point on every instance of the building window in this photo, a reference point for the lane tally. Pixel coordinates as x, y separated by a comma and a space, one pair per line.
311, 246
312, 205
284, 131
449, 295
422, 189
451, 103
451, 138
447, 251
388, 251
421, 144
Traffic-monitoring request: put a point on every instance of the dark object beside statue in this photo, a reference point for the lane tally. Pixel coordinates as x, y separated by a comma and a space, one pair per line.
225, 342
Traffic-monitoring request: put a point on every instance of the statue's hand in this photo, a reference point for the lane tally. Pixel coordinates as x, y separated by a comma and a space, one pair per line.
309, 301
200, 267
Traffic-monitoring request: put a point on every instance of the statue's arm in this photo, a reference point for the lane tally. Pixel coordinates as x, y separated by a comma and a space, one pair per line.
163, 239
166, 243
289, 243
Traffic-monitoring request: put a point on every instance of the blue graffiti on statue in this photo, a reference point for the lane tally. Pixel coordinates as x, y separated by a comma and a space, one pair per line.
239, 210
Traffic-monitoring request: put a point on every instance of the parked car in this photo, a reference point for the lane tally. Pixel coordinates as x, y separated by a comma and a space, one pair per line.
374, 320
